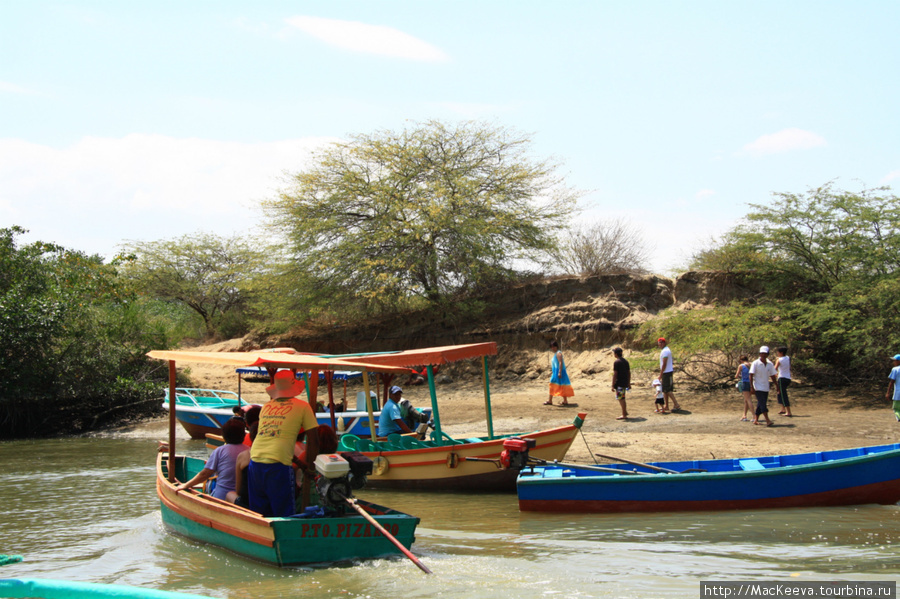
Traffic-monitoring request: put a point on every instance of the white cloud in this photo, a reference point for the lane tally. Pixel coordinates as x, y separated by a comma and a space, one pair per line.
784, 141
101, 191
705, 193
12, 88
370, 39
891, 176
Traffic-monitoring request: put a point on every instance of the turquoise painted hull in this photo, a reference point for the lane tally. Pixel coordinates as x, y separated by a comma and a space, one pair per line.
281, 541
64, 589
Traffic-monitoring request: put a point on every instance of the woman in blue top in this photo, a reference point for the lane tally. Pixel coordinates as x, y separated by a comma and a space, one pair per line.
559, 379
743, 378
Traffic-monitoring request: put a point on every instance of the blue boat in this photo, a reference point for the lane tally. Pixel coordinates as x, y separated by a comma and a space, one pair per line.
202, 412
863, 475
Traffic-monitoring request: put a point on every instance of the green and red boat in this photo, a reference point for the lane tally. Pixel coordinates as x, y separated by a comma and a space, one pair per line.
340, 528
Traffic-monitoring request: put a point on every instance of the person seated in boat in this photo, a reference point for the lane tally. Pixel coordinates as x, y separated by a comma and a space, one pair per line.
221, 461
240, 496
391, 420
270, 473
328, 443
251, 419
412, 416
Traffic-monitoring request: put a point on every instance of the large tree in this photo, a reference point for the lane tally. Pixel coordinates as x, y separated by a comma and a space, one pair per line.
829, 261
821, 238
207, 273
424, 212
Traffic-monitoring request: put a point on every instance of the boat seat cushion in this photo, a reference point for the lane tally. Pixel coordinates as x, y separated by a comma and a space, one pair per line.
751, 464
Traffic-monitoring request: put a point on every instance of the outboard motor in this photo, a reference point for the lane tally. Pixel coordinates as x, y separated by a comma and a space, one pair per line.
339, 474
515, 453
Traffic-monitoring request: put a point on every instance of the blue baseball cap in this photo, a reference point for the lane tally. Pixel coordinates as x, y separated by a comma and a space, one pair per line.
897, 357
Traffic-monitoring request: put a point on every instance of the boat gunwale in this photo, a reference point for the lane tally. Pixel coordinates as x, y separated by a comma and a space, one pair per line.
627, 477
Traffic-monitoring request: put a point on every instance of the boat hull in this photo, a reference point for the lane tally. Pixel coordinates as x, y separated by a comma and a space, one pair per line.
445, 468
280, 541
836, 478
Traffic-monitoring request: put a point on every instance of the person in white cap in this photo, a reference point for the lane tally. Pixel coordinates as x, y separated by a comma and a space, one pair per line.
271, 478
391, 420
761, 373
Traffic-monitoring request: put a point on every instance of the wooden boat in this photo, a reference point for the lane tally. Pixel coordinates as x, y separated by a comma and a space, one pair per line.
403, 462
45, 588
442, 462
202, 411
336, 536
278, 541
827, 478
438, 463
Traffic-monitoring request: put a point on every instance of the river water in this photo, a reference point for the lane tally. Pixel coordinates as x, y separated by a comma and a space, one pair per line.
85, 509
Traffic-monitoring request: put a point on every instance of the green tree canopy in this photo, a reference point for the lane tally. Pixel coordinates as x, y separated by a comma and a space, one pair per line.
72, 341
830, 259
820, 238
207, 273
424, 212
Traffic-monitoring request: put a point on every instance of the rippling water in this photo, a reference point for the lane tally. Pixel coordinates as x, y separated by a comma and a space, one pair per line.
85, 509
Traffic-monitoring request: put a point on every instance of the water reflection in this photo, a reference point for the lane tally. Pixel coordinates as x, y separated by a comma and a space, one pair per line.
86, 509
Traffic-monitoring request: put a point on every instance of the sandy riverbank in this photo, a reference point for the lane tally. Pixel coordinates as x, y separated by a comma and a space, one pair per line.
708, 425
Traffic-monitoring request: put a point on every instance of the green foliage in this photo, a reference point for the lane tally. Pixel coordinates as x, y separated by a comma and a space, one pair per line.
707, 342
72, 341
831, 259
814, 241
427, 212
208, 274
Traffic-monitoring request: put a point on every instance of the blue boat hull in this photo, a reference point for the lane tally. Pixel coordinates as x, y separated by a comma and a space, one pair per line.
844, 477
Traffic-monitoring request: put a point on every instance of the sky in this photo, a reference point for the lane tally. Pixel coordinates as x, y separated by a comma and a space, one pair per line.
127, 121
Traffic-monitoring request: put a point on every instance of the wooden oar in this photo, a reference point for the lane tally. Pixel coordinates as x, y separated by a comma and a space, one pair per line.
389, 536
657, 468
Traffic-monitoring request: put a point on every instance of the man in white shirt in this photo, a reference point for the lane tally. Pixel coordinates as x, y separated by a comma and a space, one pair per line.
762, 376
667, 373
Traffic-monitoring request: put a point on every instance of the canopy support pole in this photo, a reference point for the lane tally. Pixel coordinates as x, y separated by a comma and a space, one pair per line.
487, 400
434, 406
365, 374
173, 402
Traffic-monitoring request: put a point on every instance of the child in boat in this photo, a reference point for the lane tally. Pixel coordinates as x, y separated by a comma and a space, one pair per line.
660, 397
221, 461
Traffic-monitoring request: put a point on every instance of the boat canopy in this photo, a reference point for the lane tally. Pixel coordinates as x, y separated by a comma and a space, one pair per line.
429, 356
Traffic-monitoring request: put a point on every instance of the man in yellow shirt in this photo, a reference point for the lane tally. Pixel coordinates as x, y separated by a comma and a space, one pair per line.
270, 475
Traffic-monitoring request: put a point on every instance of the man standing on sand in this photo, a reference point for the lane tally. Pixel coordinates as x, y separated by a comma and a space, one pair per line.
667, 373
761, 373
893, 391
621, 380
